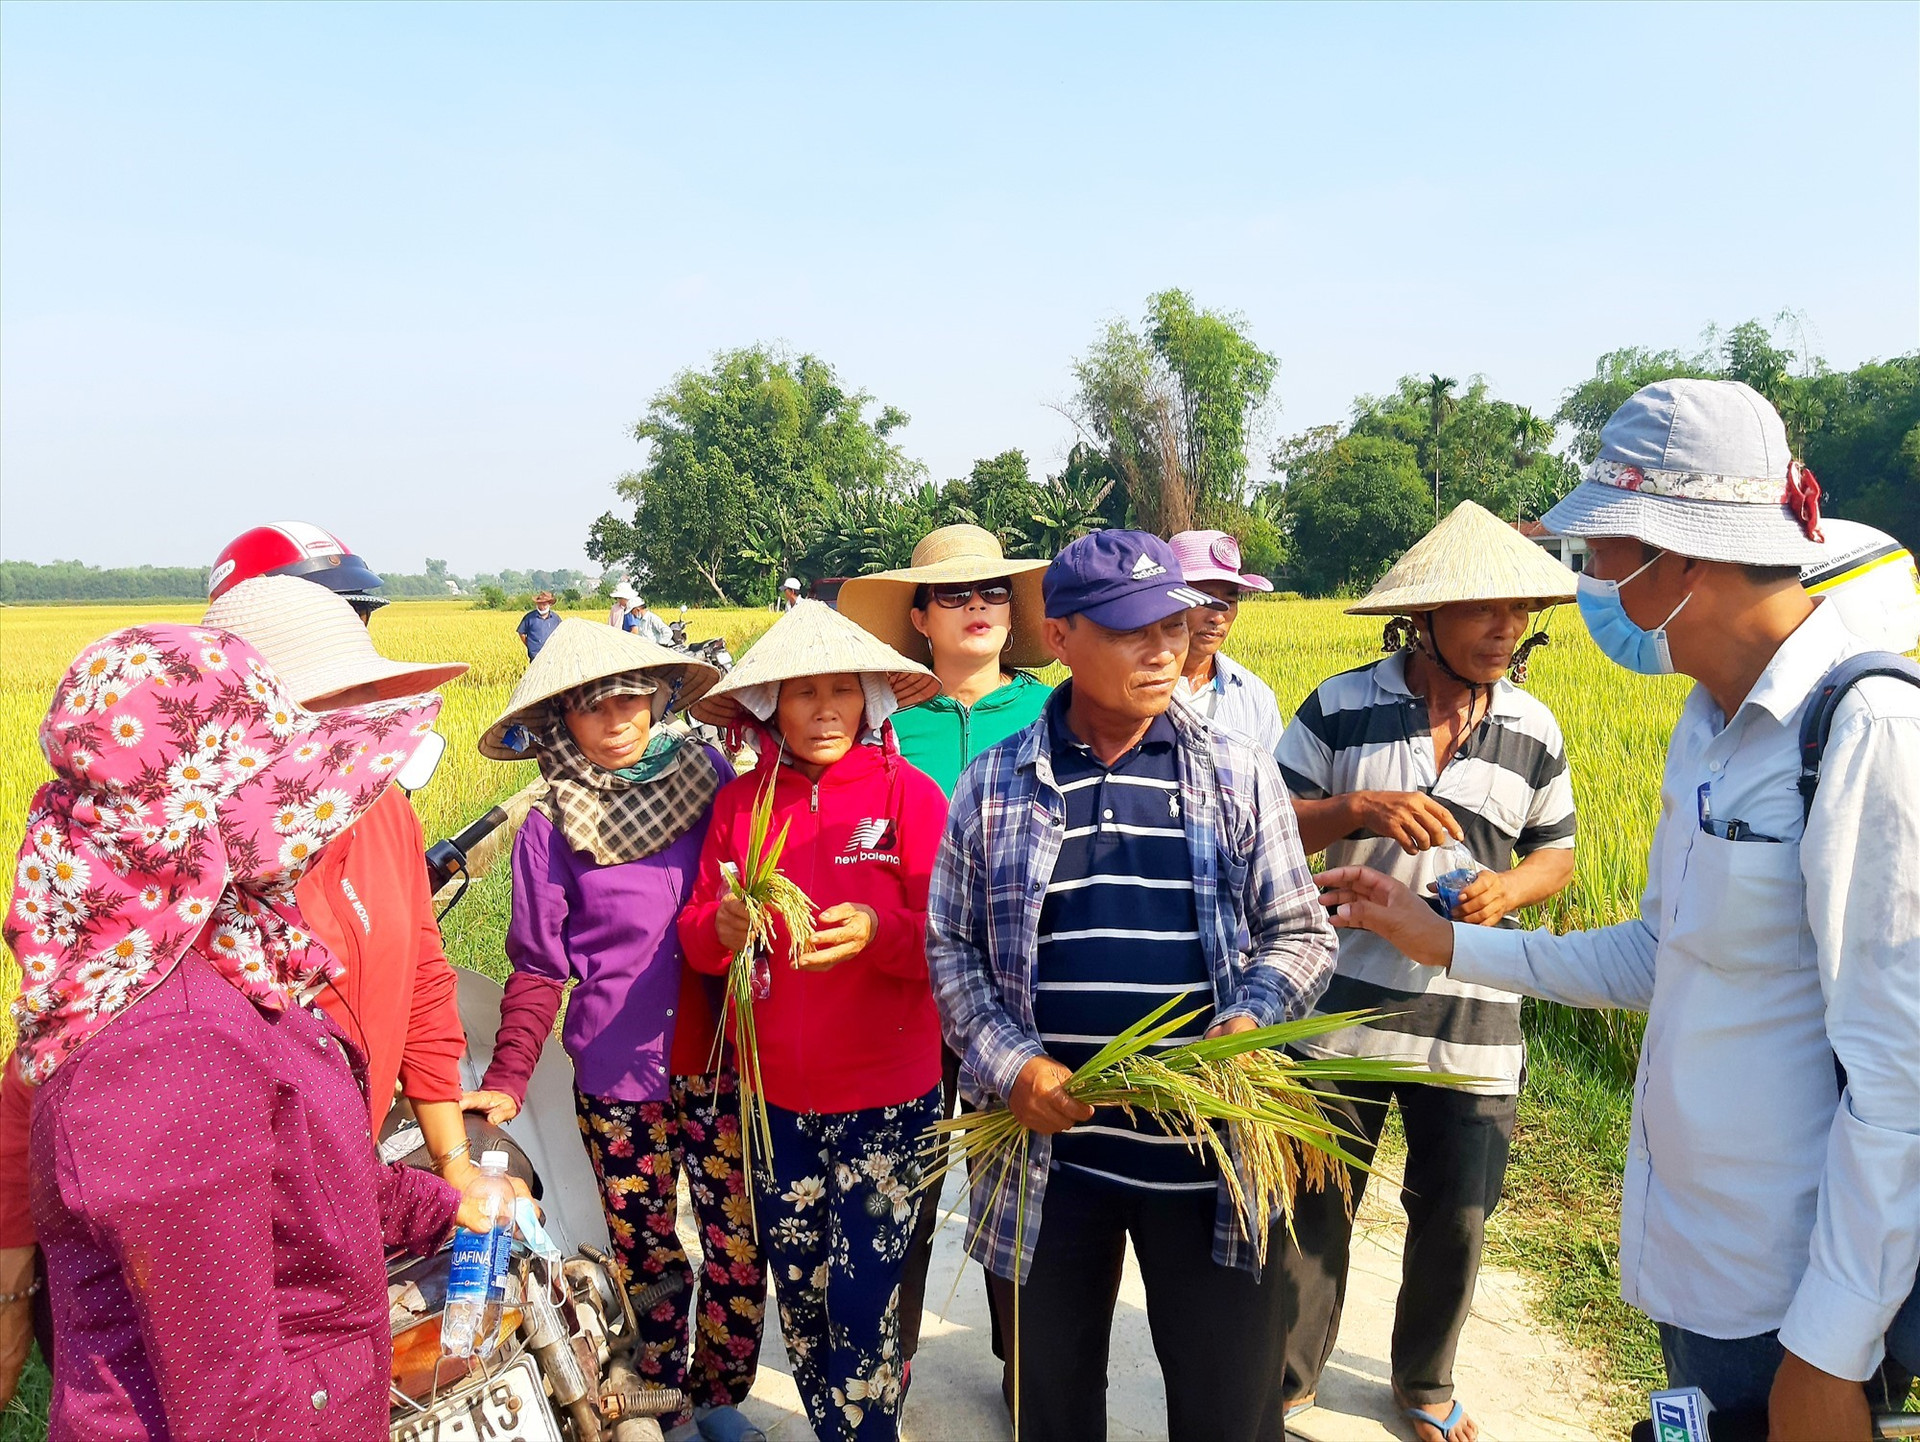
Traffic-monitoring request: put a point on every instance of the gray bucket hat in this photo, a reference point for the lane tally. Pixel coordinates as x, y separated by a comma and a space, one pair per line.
1701, 468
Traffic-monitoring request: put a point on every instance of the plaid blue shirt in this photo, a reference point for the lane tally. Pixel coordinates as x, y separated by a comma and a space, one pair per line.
1268, 945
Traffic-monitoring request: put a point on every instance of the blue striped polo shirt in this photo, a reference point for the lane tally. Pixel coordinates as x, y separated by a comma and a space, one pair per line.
1118, 936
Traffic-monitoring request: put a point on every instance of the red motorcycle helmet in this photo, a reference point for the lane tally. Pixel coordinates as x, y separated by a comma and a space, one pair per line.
296, 548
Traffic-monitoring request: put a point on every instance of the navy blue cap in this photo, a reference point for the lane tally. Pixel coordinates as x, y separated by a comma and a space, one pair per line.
1122, 580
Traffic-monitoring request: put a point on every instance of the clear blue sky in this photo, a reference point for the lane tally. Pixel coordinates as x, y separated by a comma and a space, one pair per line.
413, 272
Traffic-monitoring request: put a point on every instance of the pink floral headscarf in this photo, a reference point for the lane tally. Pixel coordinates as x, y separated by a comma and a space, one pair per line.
190, 794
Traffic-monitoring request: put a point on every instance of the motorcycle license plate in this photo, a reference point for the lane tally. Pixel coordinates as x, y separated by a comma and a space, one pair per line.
510, 1406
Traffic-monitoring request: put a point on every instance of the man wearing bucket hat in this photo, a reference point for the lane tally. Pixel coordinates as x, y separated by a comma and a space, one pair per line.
1768, 1223
1425, 763
848, 1046
1222, 690
975, 617
1116, 853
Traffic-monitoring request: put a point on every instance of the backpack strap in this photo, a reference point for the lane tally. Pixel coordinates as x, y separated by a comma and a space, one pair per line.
1816, 724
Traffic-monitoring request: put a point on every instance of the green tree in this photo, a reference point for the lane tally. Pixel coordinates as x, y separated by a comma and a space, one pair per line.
745, 460
1172, 409
1440, 404
1617, 375
1353, 503
1074, 502
998, 495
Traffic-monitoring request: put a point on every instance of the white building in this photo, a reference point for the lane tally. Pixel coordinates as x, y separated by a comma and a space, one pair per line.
1569, 551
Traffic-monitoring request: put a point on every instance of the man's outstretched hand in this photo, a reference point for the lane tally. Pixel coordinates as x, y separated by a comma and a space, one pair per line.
1359, 898
1040, 1101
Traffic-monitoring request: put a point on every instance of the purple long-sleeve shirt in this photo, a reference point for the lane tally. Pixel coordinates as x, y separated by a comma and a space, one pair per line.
214, 1215
609, 929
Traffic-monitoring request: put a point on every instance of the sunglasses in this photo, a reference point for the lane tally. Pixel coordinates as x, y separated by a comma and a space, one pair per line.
953, 597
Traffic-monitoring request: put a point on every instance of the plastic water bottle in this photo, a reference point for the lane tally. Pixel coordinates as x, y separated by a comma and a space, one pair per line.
1457, 871
477, 1285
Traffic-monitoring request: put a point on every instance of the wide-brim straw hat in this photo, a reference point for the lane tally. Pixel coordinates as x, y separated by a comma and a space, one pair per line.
1701, 468
580, 651
814, 640
882, 602
318, 643
1472, 555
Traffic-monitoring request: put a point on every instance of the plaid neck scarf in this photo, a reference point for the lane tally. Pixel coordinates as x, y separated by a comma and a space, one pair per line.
612, 816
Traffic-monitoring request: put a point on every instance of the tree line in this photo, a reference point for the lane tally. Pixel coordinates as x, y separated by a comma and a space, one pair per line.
764, 463
26, 582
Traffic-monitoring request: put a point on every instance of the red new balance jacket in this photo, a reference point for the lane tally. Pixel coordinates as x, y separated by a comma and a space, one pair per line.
865, 1033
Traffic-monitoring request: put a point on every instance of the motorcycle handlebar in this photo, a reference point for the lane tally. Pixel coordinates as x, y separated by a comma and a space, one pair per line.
448, 859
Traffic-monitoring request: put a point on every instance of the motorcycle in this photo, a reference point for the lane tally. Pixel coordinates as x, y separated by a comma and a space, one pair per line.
561, 1364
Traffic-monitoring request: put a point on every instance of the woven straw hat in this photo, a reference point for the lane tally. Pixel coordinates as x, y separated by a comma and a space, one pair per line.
1472, 555
317, 642
814, 640
882, 602
581, 651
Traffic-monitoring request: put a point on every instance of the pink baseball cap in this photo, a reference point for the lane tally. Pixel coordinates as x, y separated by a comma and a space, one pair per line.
1213, 556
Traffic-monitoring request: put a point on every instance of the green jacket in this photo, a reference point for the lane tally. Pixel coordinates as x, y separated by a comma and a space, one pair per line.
941, 736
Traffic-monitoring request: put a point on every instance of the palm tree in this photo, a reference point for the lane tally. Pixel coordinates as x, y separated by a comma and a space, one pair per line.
1531, 435
1438, 394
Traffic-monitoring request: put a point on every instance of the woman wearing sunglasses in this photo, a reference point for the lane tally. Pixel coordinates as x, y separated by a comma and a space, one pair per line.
963, 608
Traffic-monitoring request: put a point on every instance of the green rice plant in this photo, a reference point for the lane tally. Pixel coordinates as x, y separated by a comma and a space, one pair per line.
1268, 1103
768, 897
1278, 1135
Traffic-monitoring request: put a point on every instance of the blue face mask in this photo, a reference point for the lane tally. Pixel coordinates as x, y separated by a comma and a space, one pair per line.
1614, 632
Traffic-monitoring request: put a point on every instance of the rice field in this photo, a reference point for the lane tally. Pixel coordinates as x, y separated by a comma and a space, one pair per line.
1616, 727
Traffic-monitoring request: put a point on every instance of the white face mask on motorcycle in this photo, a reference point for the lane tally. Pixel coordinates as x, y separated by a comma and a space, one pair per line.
1614, 631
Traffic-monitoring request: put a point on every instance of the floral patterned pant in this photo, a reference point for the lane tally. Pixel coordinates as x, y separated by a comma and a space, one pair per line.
639, 1150
836, 1221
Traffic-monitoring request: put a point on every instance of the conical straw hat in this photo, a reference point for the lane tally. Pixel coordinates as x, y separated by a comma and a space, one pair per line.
814, 640
882, 602
317, 643
1472, 555
581, 651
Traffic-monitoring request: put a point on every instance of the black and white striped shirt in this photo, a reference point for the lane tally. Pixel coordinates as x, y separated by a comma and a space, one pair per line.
1508, 787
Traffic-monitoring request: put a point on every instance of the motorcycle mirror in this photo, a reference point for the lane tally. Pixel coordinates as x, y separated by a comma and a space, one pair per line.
423, 763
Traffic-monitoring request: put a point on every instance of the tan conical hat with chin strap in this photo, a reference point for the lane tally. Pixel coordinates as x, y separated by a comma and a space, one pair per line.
883, 602
813, 640
580, 651
1472, 555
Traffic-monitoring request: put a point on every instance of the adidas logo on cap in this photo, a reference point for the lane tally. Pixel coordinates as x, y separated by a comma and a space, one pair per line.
1146, 566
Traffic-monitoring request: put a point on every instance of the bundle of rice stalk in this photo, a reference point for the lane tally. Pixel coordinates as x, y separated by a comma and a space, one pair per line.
1231, 1097
767, 896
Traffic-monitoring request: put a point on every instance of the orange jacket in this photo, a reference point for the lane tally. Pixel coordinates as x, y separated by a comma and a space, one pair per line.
366, 898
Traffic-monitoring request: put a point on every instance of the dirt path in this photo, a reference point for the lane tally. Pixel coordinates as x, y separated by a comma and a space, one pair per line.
1521, 1383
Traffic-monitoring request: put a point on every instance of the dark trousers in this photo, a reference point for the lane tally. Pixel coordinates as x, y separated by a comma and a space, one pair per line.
1219, 1334
1456, 1159
913, 1281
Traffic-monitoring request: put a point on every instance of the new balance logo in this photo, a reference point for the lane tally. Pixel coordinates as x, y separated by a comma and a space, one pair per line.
1146, 567
873, 834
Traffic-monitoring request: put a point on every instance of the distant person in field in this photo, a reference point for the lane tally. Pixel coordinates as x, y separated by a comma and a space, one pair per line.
1116, 854
789, 594
537, 624
978, 619
1768, 1224
623, 598
1393, 765
599, 871
645, 624
1219, 688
